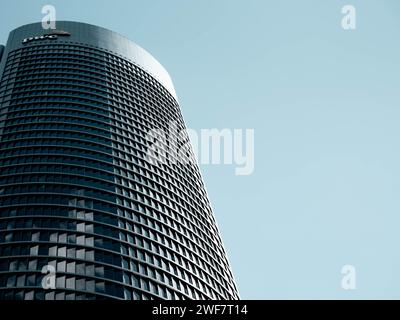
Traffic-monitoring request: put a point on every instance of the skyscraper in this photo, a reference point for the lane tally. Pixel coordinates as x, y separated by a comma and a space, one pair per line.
84, 214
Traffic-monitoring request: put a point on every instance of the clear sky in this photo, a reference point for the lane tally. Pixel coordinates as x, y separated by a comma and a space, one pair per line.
325, 106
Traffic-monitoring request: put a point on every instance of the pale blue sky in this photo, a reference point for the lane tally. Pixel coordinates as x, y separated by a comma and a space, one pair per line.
324, 104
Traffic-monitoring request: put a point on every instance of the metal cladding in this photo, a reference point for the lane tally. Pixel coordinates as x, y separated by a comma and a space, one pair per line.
1, 51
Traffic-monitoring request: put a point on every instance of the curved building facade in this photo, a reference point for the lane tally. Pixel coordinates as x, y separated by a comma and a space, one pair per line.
83, 213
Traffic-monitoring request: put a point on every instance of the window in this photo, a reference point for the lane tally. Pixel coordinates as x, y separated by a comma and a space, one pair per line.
70, 284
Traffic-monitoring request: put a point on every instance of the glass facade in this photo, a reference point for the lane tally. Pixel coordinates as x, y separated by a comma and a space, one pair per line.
76, 190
